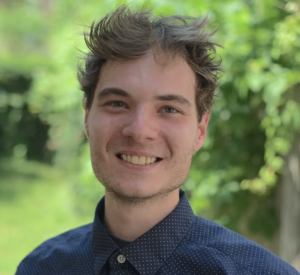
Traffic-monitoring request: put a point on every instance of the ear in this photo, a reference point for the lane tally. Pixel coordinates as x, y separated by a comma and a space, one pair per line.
86, 116
201, 132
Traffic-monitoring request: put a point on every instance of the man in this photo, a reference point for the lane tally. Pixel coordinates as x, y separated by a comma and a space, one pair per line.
148, 84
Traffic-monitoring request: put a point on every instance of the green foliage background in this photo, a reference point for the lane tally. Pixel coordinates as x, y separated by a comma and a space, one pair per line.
234, 177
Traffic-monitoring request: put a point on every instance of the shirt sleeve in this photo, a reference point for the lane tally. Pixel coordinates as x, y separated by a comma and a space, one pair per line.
36, 263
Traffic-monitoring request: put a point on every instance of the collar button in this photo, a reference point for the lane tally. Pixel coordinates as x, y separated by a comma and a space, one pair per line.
121, 259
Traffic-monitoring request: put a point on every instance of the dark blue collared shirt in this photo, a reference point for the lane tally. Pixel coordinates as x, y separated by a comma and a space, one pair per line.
182, 244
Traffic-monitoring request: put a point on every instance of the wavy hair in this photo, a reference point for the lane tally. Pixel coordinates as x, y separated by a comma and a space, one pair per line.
125, 34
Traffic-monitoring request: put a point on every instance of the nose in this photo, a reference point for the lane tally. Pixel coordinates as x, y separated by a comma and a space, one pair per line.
141, 126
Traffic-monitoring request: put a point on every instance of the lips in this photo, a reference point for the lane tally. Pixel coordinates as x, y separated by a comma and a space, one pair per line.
138, 160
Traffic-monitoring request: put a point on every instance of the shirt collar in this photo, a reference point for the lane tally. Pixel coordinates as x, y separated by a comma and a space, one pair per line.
155, 246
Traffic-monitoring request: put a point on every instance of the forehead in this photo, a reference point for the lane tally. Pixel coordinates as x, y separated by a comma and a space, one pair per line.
149, 75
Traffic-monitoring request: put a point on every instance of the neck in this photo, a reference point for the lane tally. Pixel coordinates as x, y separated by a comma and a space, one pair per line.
128, 221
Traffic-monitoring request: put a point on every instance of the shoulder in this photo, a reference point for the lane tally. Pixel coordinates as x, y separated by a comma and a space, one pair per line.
59, 251
231, 249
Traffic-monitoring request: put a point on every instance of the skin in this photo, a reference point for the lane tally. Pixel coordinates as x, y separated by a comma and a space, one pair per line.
143, 108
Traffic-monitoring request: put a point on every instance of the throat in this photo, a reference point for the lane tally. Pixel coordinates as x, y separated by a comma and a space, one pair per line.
119, 242
130, 221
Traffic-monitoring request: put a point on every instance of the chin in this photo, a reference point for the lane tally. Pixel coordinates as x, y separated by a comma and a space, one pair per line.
135, 194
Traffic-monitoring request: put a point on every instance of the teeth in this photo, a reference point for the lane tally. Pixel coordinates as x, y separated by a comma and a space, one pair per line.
138, 160
135, 159
142, 160
148, 160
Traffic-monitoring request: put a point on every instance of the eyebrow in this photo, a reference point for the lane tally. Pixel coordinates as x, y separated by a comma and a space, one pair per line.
112, 91
119, 92
177, 98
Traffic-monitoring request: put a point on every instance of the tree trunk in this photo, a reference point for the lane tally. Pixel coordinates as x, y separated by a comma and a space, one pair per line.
289, 240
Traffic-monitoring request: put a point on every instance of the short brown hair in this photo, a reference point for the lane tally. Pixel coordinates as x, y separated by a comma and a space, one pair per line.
124, 35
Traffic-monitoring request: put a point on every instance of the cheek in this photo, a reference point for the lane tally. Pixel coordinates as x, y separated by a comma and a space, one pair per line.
181, 136
103, 127
95, 127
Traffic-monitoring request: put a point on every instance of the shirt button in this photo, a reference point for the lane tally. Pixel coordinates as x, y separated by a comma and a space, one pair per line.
121, 259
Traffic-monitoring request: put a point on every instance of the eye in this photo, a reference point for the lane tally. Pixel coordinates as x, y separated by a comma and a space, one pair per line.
116, 104
170, 110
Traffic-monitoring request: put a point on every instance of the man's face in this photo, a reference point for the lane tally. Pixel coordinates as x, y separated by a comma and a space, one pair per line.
143, 128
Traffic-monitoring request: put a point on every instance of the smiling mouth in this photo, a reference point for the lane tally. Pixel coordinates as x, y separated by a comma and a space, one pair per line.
138, 160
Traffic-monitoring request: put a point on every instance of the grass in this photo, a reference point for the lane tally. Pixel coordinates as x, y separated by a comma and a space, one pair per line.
35, 204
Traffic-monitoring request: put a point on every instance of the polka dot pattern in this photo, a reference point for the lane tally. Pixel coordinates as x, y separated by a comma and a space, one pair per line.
182, 243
